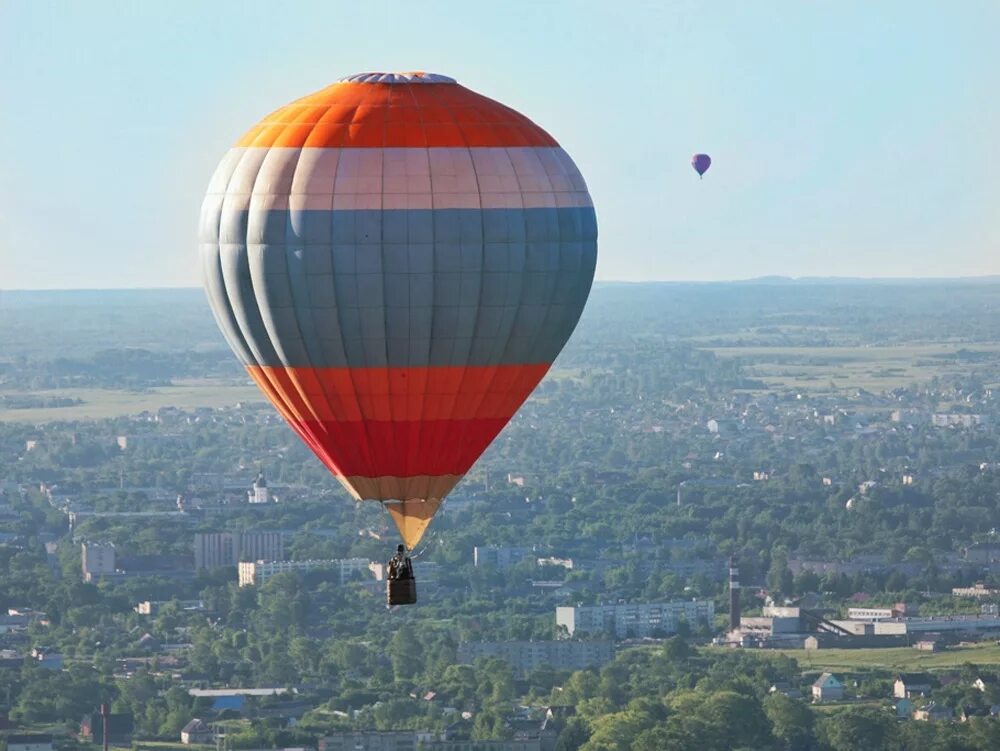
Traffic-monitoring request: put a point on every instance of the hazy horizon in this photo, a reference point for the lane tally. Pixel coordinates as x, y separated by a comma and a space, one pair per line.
601, 282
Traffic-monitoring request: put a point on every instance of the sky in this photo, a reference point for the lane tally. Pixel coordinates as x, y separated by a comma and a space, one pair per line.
849, 138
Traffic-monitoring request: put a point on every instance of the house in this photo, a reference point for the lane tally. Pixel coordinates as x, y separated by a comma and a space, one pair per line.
120, 728
196, 731
904, 709
932, 713
928, 645
29, 742
909, 685
967, 713
983, 683
785, 689
827, 688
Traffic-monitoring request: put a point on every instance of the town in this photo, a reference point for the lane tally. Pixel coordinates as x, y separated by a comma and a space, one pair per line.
791, 517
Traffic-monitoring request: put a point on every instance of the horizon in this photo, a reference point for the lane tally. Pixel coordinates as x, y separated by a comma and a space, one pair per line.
770, 278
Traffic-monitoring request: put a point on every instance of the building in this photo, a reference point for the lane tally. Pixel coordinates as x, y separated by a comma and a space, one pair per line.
899, 610
375, 740
255, 573
827, 688
152, 607
97, 560
932, 713
500, 557
635, 620
219, 549
910, 685
956, 420
416, 740
514, 744
31, 742
527, 656
196, 731
977, 590
983, 552
259, 492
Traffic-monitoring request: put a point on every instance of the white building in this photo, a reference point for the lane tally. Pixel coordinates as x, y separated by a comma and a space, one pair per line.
97, 560
956, 420
219, 549
374, 740
527, 656
255, 573
500, 557
634, 620
259, 492
871, 614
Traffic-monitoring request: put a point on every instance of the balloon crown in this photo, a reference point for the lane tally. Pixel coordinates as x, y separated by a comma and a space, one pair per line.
413, 76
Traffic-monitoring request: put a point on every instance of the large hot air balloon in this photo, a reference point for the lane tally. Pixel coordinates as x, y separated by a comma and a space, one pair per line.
701, 163
397, 260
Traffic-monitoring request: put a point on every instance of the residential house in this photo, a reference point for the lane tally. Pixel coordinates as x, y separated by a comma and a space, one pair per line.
827, 688
932, 713
983, 683
196, 731
120, 728
374, 740
909, 685
967, 713
785, 689
33, 742
904, 709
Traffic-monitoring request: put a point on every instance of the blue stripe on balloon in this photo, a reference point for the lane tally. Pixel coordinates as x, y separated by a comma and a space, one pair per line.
395, 288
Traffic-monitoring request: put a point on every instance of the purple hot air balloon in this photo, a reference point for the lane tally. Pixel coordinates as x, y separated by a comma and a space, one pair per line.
701, 163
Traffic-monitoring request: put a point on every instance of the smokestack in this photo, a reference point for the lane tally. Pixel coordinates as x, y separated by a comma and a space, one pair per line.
104, 724
734, 594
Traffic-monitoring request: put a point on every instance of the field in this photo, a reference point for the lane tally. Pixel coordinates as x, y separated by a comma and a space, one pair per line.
104, 403
896, 659
875, 369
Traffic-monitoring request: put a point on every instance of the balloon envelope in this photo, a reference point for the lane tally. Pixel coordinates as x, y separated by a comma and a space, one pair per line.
397, 261
701, 163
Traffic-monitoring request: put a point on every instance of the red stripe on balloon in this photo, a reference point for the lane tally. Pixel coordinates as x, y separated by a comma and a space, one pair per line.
400, 449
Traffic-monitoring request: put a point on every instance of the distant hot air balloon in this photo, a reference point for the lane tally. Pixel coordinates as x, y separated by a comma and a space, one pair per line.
701, 163
397, 260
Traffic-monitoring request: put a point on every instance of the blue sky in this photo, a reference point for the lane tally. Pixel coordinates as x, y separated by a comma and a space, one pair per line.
848, 138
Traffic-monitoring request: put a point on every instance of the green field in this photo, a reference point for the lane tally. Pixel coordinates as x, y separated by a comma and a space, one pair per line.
896, 659
104, 403
875, 369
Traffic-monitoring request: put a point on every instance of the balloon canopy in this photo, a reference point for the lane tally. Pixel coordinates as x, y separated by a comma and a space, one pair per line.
701, 163
397, 260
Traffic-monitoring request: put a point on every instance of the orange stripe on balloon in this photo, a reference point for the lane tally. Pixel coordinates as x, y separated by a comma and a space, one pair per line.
352, 115
399, 394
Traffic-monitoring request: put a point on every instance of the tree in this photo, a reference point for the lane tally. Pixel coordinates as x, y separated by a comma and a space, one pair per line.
791, 722
854, 729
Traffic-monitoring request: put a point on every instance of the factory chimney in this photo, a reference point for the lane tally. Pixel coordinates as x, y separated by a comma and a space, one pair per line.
734, 594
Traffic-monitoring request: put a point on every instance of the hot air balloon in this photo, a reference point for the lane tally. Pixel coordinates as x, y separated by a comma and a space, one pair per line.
701, 163
397, 261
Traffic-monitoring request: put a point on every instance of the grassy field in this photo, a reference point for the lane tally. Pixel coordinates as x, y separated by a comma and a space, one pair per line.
875, 369
104, 403
901, 659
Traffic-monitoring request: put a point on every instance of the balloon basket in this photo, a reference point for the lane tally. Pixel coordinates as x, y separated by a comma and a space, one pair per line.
401, 591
